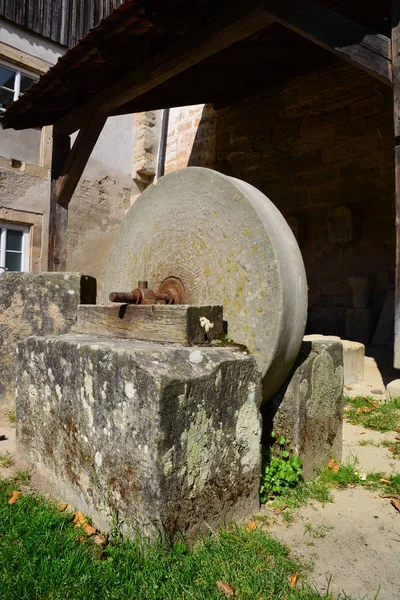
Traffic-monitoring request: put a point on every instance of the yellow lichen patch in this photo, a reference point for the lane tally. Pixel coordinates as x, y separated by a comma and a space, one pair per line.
207, 270
254, 249
260, 311
246, 232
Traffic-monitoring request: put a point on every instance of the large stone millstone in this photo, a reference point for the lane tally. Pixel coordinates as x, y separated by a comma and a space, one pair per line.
229, 245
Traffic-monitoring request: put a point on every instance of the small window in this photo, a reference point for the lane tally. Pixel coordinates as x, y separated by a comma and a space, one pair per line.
13, 83
13, 248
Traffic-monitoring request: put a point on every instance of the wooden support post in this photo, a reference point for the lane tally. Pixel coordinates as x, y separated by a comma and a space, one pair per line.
66, 169
396, 122
58, 215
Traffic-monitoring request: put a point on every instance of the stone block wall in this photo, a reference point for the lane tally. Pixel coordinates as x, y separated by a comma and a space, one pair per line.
321, 148
36, 304
308, 410
165, 438
192, 137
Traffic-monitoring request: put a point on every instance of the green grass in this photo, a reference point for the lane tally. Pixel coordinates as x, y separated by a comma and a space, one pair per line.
319, 488
41, 557
12, 416
317, 531
348, 475
395, 449
306, 491
372, 415
6, 460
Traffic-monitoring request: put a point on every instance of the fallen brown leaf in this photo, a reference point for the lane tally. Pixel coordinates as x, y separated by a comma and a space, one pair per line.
14, 497
384, 480
397, 438
63, 506
81, 538
396, 504
79, 519
226, 588
251, 526
395, 496
363, 409
278, 511
396, 430
332, 464
99, 539
293, 579
89, 530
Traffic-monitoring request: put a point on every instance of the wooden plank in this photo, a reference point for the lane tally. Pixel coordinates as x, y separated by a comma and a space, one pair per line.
237, 22
58, 215
396, 123
22, 59
77, 159
174, 324
357, 44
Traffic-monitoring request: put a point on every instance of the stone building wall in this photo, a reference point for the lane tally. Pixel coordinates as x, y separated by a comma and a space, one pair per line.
104, 192
321, 148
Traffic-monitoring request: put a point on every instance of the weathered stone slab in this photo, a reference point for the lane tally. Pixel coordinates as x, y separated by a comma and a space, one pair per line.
353, 356
309, 408
175, 324
164, 436
36, 304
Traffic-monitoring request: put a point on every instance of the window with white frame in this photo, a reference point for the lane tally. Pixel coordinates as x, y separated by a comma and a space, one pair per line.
14, 81
14, 243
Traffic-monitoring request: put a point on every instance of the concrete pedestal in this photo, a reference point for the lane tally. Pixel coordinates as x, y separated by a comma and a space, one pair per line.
308, 410
167, 437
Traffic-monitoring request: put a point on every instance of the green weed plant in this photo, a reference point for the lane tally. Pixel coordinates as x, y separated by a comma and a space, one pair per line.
281, 468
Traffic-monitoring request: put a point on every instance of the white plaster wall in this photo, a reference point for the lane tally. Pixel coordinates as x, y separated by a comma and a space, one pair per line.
21, 145
29, 42
113, 152
25, 145
103, 194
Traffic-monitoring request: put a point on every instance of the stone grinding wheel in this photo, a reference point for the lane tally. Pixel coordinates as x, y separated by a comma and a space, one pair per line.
230, 246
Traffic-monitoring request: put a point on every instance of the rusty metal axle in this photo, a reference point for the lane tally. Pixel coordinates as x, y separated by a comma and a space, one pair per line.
170, 291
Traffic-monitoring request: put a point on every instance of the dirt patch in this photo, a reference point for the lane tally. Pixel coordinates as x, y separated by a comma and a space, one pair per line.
354, 542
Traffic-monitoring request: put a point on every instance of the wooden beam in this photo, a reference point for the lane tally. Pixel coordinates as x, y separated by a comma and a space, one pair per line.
355, 43
396, 123
235, 23
77, 159
66, 169
174, 323
58, 215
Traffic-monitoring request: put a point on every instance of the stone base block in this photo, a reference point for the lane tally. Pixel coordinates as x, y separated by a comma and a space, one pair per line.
360, 323
393, 390
308, 410
165, 437
354, 361
36, 304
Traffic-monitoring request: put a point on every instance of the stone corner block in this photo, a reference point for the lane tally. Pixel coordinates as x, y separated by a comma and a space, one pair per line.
37, 304
308, 410
166, 436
